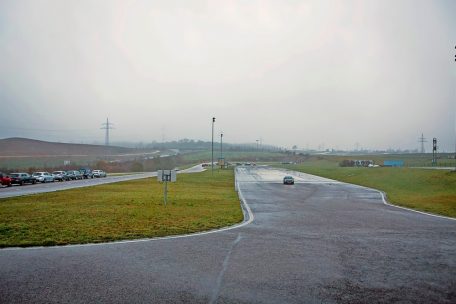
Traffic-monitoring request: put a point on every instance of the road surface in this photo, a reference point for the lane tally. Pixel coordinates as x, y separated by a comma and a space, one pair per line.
318, 241
57, 186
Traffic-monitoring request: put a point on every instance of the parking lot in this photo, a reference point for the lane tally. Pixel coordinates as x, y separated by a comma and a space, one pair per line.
16, 190
57, 186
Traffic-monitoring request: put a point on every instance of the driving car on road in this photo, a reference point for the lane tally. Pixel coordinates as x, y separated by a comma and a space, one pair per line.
5, 180
288, 180
99, 173
60, 176
22, 178
43, 177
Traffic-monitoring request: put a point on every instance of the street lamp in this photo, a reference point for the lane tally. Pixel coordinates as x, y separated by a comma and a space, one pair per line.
221, 150
212, 158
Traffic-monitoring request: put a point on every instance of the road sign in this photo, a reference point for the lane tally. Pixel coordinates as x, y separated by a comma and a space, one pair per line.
166, 176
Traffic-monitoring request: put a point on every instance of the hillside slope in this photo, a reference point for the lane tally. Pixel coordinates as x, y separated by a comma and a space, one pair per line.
14, 147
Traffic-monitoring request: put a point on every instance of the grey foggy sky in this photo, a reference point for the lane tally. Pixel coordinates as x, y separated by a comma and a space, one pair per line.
291, 72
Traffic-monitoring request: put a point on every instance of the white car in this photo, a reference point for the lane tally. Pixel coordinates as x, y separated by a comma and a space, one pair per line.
99, 173
43, 177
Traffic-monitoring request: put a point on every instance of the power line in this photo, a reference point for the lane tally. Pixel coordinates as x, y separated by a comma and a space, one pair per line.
422, 140
107, 126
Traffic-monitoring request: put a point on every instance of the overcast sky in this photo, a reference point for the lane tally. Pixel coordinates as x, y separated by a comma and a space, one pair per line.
306, 73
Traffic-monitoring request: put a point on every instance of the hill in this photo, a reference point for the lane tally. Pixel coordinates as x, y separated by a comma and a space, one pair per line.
14, 147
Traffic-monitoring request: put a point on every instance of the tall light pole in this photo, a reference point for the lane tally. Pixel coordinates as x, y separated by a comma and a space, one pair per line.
454, 127
212, 158
221, 150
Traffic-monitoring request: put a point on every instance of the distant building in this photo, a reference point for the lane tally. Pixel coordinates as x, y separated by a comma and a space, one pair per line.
356, 163
393, 163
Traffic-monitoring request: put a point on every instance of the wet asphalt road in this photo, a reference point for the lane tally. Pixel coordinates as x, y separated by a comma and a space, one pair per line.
318, 241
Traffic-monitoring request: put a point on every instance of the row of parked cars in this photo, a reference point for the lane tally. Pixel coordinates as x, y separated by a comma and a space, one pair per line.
21, 178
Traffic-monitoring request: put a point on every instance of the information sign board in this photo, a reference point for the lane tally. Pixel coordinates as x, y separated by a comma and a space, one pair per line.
166, 175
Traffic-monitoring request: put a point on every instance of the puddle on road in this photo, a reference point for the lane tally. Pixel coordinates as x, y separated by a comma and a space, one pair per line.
270, 175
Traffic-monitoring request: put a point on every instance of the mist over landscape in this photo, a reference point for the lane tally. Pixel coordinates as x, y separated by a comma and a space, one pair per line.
194, 151
315, 74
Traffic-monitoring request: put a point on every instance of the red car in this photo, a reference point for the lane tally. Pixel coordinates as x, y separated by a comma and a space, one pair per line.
5, 180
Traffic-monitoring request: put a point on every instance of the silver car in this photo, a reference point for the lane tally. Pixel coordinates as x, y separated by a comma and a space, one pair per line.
43, 177
99, 173
60, 176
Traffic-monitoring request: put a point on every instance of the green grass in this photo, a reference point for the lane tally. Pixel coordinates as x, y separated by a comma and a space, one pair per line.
125, 210
124, 173
426, 190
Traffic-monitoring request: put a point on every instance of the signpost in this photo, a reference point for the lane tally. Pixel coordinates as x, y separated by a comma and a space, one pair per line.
166, 176
221, 162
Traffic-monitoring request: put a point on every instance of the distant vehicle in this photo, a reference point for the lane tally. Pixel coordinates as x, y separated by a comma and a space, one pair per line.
86, 173
22, 178
60, 176
99, 173
74, 174
288, 180
5, 180
78, 174
43, 177
70, 175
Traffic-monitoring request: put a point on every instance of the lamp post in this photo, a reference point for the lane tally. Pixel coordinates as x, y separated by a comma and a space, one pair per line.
212, 158
221, 150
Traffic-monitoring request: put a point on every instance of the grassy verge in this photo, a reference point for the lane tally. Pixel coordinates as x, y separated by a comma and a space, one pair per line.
420, 189
125, 210
123, 173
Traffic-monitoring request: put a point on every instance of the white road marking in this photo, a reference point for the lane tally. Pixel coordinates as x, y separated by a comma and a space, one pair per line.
244, 223
330, 181
236, 226
404, 208
218, 283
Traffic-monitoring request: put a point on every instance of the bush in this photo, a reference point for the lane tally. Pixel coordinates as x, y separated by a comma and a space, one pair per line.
137, 167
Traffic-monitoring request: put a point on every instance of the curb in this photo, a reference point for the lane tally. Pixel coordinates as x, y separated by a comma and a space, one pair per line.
248, 218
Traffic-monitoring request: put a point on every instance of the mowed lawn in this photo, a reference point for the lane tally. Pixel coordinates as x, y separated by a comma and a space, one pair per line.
119, 211
427, 190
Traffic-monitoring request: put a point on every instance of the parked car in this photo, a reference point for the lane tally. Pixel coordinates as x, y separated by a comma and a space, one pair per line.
70, 175
288, 180
43, 177
79, 175
86, 173
22, 178
99, 173
5, 180
60, 176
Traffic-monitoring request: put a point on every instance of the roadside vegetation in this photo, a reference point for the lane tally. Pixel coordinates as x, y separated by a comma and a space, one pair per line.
250, 156
426, 190
119, 211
